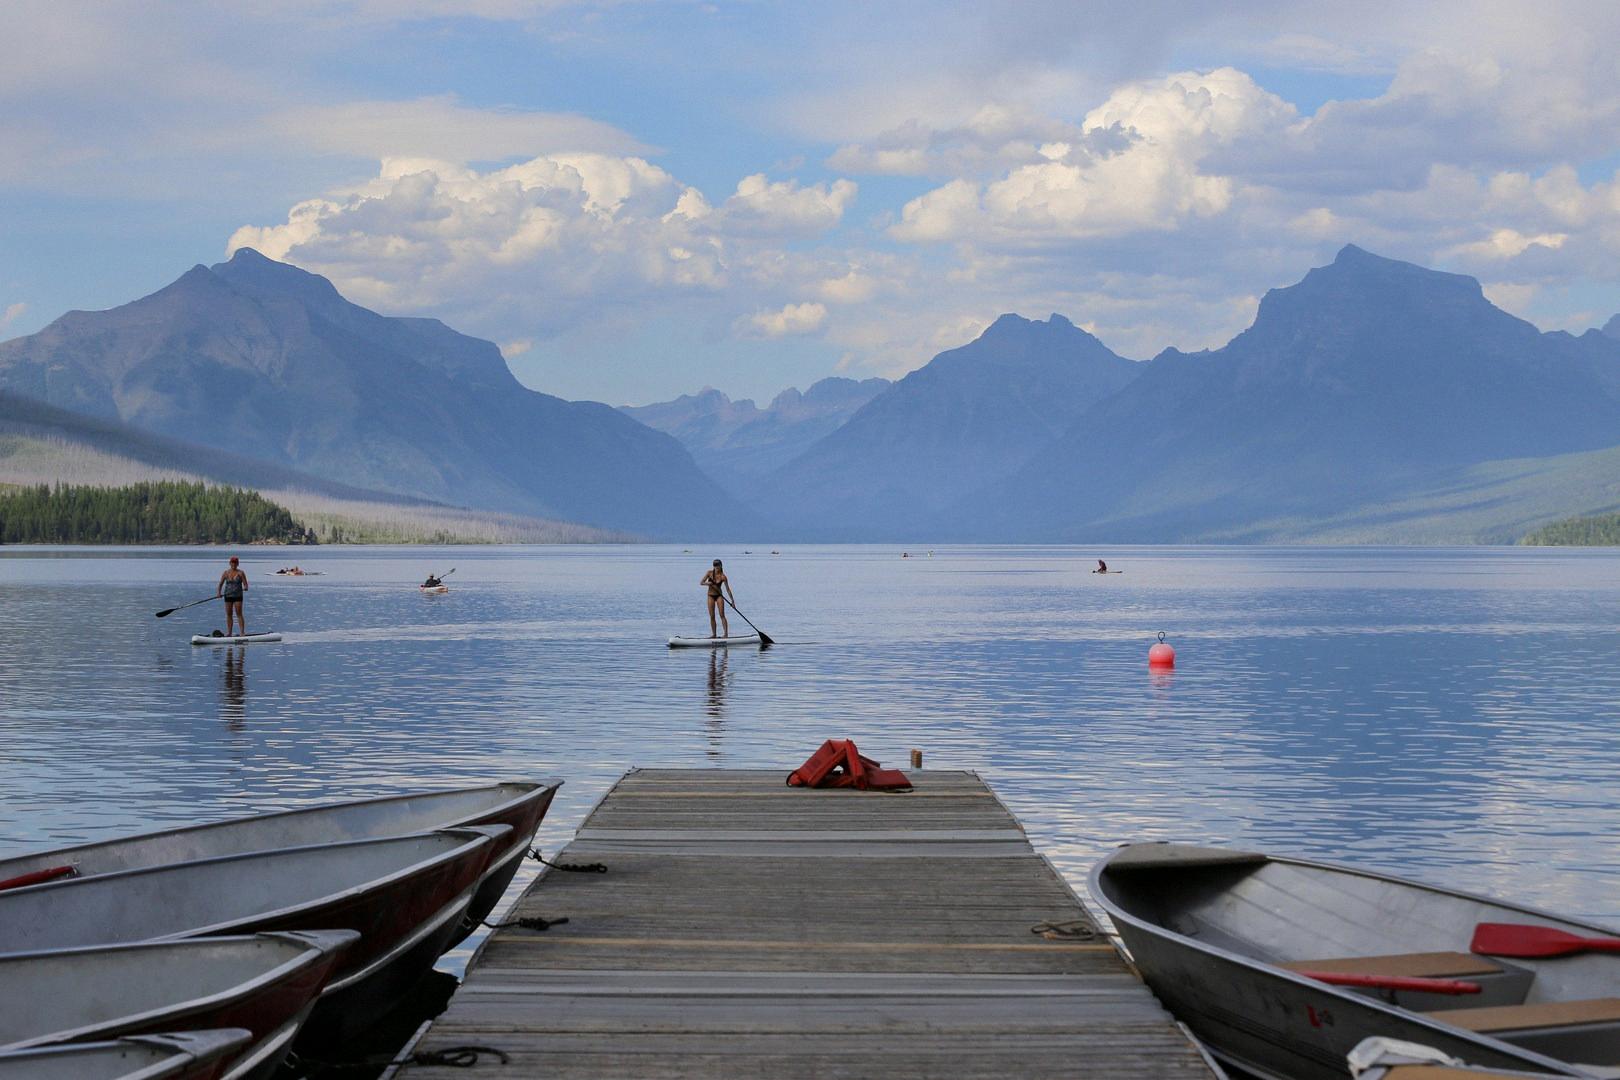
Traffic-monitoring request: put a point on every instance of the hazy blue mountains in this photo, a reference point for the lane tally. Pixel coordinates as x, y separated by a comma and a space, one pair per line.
966, 418
736, 442
1612, 327
1366, 387
270, 362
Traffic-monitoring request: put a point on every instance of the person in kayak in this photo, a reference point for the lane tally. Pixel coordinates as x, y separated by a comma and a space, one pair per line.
715, 580
432, 582
1102, 567
232, 584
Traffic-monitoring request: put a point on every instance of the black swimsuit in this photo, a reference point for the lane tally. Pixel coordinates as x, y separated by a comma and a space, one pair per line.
714, 585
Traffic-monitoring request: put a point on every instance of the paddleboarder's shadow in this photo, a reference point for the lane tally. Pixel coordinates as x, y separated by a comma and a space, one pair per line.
233, 687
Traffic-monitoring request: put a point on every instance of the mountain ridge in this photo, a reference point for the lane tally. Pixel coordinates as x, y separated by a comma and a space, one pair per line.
270, 361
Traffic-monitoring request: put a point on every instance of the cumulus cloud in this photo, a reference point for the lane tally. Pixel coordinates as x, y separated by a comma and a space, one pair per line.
794, 319
1153, 181
534, 249
763, 207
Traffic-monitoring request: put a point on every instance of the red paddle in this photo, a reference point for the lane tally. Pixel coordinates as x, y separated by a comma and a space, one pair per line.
1513, 939
50, 873
1392, 982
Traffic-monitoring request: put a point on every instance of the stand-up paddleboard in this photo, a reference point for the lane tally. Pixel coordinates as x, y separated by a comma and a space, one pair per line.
713, 642
240, 639
433, 590
1108, 571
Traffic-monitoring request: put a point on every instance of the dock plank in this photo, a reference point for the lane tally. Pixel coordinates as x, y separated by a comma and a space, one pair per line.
745, 928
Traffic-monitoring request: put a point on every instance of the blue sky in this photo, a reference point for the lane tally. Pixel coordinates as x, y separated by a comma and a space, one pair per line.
638, 199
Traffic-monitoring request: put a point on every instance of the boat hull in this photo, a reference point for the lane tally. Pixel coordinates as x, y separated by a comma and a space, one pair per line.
192, 1055
404, 896
1261, 1017
266, 985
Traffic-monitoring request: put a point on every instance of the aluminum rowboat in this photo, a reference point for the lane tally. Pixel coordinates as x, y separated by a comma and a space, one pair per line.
1223, 937
192, 1055
266, 984
520, 804
406, 897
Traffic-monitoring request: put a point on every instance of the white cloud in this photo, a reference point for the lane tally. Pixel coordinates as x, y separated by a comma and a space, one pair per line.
12, 313
1154, 181
1506, 243
762, 207
792, 320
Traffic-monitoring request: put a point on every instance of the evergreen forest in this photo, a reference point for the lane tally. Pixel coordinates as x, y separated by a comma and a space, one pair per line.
158, 512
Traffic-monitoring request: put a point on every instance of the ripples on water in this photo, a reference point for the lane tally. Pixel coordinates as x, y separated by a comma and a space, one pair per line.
1448, 715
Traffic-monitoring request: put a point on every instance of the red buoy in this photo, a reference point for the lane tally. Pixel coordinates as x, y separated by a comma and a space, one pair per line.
1161, 655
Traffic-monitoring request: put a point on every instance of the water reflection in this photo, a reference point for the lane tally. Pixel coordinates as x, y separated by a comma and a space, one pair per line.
233, 687
715, 724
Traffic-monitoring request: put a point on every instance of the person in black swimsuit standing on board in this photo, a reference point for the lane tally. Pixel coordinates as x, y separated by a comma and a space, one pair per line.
232, 584
716, 580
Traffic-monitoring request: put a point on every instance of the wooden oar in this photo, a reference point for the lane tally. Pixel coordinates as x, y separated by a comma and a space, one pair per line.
1516, 939
764, 638
166, 612
1392, 982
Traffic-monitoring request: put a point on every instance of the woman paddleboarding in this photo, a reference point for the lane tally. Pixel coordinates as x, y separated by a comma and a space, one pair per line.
233, 584
715, 580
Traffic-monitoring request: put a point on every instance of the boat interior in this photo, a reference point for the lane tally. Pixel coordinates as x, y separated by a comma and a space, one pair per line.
1399, 937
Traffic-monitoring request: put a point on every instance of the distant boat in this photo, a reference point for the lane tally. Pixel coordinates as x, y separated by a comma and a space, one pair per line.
406, 896
266, 983
190, 1055
1283, 966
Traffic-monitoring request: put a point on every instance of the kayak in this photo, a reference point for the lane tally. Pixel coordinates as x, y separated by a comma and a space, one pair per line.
240, 639
712, 642
433, 590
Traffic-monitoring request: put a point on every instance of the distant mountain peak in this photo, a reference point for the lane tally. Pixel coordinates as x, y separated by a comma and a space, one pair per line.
1612, 327
248, 269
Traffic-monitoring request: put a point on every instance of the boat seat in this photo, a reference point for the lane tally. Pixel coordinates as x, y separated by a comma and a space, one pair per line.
1427, 965
1500, 983
1540, 1015
1585, 1030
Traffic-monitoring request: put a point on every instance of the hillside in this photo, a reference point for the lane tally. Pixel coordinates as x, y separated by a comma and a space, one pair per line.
267, 361
40, 444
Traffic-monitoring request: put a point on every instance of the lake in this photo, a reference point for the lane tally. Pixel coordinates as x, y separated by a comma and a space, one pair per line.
1451, 715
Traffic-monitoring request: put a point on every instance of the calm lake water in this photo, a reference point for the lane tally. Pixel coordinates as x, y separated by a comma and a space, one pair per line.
1452, 715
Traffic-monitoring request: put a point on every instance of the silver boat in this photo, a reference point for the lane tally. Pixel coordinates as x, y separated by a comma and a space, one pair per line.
405, 896
266, 984
520, 804
192, 1055
1237, 945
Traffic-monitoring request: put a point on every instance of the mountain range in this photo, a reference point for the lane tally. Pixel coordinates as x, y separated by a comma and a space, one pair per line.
1373, 401
268, 361
736, 442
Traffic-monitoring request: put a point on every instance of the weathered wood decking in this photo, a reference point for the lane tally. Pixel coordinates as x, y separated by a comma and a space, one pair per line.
748, 929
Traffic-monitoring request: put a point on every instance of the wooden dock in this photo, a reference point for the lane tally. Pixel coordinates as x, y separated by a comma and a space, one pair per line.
748, 929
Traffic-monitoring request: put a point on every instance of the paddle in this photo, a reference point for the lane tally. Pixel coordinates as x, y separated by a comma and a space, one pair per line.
1393, 982
1513, 939
165, 613
764, 638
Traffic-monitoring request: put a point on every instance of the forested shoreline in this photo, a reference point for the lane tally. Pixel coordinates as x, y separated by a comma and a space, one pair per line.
1599, 530
153, 512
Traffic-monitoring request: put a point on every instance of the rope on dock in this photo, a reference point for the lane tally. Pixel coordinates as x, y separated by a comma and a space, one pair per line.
570, 867
452, 1057
1074, 928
